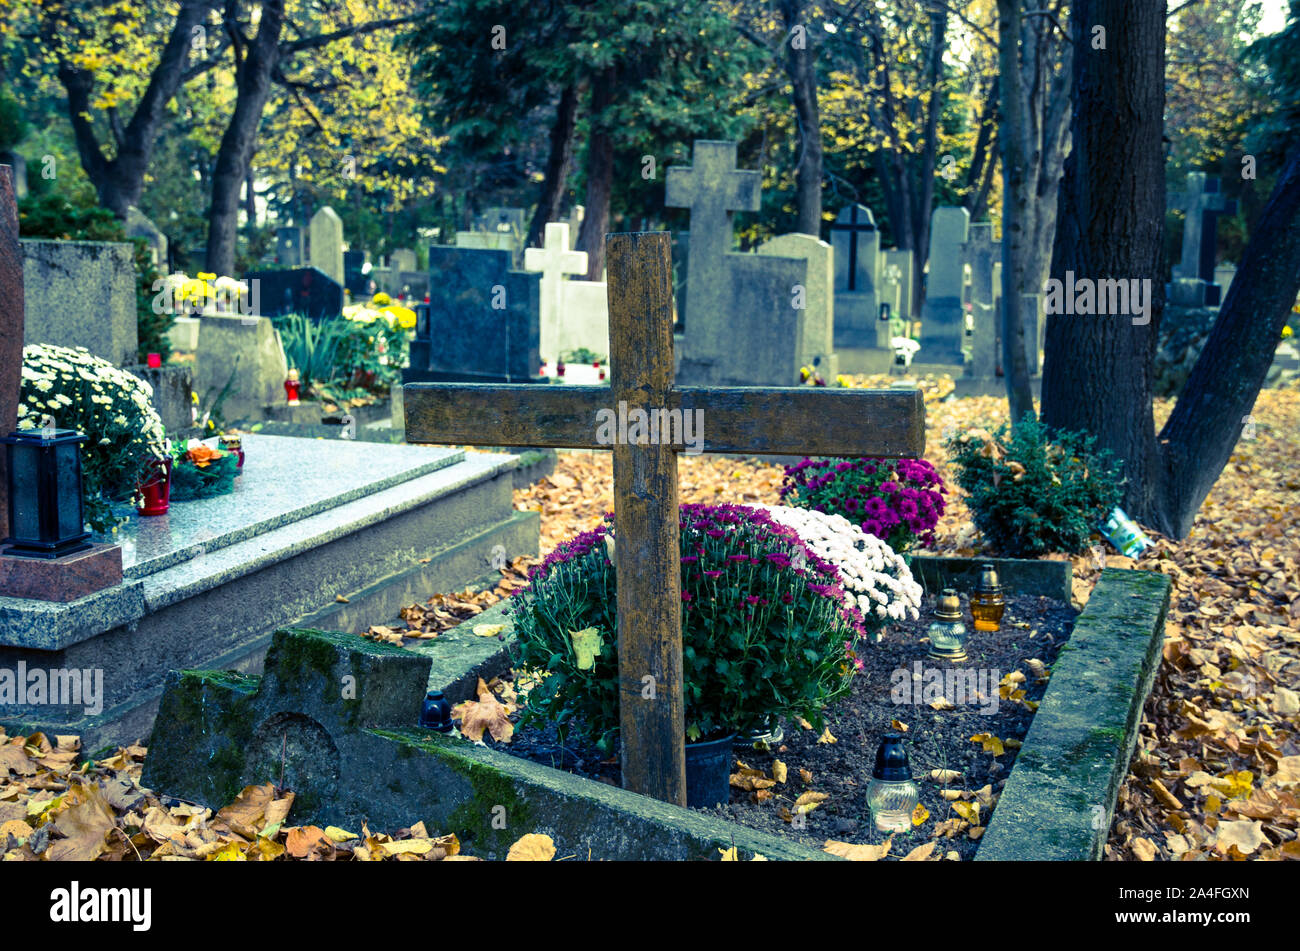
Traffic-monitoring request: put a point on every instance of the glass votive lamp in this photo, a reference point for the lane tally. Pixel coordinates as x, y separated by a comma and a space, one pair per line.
947, 632
892, 795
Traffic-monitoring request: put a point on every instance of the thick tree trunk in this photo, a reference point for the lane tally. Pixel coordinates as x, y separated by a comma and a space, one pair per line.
1098, 369
800, 69
119, 182
600, 176
558, 164
1217, 399
253, 81
924, 188
1019, 189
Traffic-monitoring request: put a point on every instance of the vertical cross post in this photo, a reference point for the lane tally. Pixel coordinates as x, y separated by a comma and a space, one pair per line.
647, 556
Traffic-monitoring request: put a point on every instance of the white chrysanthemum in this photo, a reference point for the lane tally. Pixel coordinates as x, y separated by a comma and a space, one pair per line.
876, 579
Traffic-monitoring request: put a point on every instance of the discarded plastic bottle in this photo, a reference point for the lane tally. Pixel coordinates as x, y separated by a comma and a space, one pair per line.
1125, 534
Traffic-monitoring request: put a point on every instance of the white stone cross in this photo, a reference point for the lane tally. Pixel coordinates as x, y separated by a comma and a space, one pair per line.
554, 260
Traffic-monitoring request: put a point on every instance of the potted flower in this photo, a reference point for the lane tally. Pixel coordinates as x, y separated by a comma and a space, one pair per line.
874, 578
125, 442
897, 500
767, 632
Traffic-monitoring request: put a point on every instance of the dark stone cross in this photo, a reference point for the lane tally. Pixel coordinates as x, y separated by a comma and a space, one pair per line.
1203, 203
854, 227
750, 420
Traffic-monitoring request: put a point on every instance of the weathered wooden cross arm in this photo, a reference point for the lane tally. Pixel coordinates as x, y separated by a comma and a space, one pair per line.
759, 420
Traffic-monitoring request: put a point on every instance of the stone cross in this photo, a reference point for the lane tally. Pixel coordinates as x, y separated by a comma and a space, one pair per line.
852, 221
1203, 204
11, 327
760, 420
553, 260
327, 243
712, 188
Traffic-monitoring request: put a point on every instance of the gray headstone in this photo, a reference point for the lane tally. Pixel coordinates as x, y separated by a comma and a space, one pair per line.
1203, 203
66, 281
327, 244
139, 226
814, 346
402, 259
857, 249
248, 351
943, 320
712, 188
483, 321
289, 247
857, 261
11, 326
982, 252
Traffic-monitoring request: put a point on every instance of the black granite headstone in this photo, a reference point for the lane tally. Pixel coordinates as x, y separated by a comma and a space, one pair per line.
355, 279
304, 290
482, 322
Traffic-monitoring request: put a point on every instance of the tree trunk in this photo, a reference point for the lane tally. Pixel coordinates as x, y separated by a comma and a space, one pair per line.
803, 83
119, 182
253, 84
924, 189
558, 164
1097, 373
1035, 119
600, 175
1219, 394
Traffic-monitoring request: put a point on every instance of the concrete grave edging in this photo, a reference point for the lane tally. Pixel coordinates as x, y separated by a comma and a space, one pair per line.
1059, 801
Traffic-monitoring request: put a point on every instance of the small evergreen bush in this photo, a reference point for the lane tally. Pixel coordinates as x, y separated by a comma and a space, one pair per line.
1031, 492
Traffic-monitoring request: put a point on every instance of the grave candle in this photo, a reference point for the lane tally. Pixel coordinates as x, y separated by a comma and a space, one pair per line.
292, 387
891, 794
987, 603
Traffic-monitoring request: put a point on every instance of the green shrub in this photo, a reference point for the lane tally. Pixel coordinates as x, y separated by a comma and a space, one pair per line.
1030, 494
765, 630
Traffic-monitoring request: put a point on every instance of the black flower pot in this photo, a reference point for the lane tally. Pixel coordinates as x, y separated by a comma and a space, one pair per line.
708, 772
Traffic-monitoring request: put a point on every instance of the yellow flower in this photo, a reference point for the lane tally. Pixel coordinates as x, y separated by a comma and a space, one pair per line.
381, 300
402, 317
1286, 331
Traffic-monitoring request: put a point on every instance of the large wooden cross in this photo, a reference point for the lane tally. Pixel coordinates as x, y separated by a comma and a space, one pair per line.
758, 420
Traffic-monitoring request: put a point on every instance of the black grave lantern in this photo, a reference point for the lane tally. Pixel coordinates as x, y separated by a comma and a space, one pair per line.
435, 712
46, 515
884, 310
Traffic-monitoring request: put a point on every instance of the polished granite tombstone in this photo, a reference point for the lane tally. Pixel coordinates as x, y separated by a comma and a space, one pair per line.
302, 290
484, 322
316, 532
